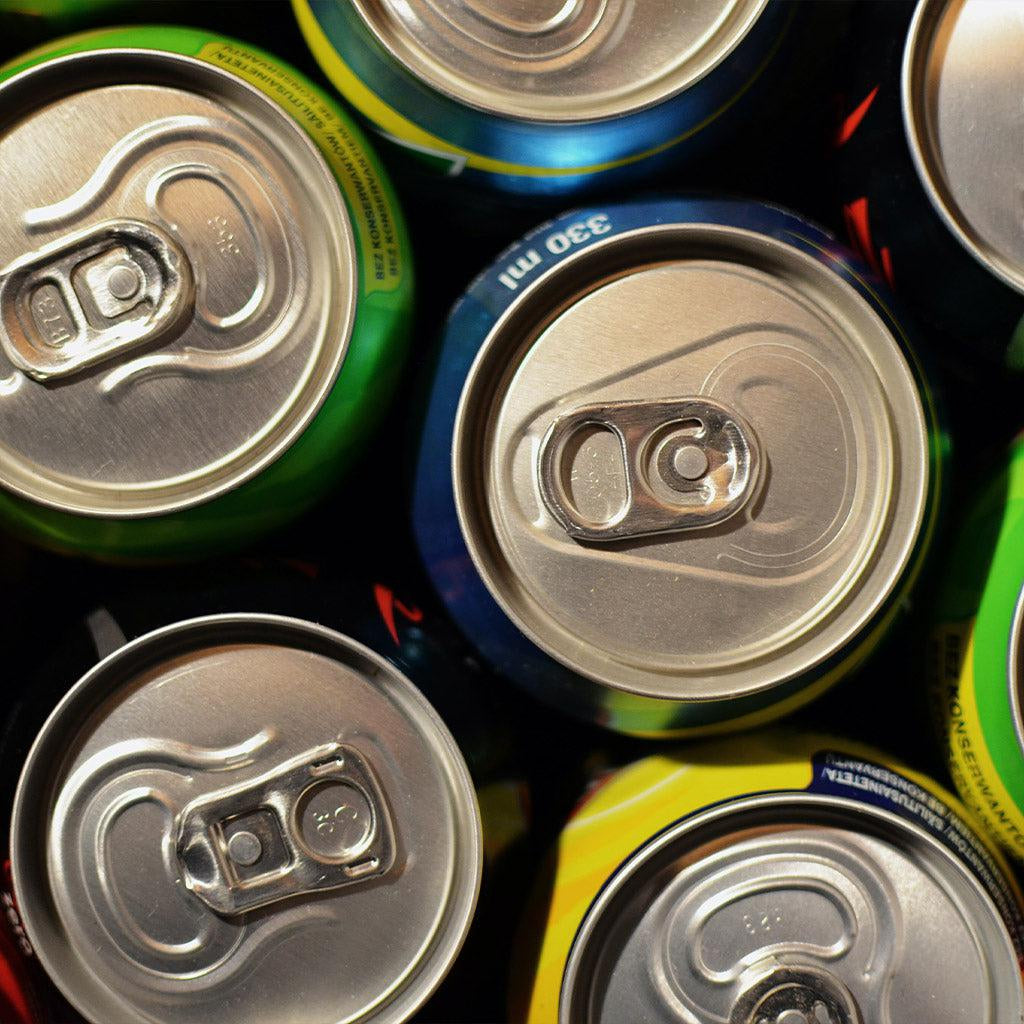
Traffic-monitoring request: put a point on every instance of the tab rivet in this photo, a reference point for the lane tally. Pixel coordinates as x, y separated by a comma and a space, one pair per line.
245, 848
124, 281
690, 462
792, 1017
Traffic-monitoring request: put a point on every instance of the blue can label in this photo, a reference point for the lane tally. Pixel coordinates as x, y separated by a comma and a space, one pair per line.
839, 775
563, 255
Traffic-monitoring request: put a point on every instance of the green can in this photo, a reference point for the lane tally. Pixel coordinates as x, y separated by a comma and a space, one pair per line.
24, 20
205, 293
977, 656
58, 11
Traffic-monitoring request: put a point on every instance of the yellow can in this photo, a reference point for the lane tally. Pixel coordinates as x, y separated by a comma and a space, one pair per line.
774, 877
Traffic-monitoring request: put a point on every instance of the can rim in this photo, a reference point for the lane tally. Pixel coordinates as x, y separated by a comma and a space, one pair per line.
913, 88
57, 78
468, 442
1015, 670
36, 781
834, 810
436, 78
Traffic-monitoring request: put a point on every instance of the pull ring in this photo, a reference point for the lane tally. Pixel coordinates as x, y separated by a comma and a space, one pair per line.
316, 822
689, 463
91, 295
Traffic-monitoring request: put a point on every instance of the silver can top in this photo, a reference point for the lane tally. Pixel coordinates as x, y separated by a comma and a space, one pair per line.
962, 80
691, 462
559, 60
176, 297
245, 818
788, 910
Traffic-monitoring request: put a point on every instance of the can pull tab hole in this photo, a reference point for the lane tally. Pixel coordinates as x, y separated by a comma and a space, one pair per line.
594, 474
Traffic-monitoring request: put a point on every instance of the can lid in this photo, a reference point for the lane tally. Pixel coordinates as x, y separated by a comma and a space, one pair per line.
789, 909
245, 818
691, 462
559, 60
962, 80
176, 291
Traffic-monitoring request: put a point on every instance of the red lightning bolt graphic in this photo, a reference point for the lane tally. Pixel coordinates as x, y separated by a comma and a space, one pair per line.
853, 120
388, 605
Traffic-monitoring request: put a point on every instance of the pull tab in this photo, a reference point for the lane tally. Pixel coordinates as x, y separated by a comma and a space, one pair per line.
796, 995
687, 464
92, 294
318, 821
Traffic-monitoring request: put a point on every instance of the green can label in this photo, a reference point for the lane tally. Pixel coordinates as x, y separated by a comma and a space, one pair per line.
382, 255
971, 668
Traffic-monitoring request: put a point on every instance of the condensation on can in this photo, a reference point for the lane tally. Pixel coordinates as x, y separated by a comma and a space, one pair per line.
546, 98
177, 370
317, 806
695, 465
756, 881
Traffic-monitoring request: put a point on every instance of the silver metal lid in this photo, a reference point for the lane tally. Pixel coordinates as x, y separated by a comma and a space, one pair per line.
559, 60
788, 910
177, 289
962, 81
691, 462
245, 818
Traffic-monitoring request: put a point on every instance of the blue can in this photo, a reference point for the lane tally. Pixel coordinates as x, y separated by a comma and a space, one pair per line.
538, 103
679, 466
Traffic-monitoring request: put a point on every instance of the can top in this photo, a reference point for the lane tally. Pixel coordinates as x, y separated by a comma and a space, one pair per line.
559, 60
177, 291
792, 909
245, 818
691, 462
962, 80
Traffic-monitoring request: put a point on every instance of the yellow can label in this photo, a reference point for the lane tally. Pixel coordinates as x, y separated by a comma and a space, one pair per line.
368, 197
635, 804
970, 761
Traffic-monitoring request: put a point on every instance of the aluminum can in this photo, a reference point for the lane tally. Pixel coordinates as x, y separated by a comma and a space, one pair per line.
779, 878
544, 99
203, 311
386, 611
977, 656
694, 464
245, 817
929, 88
383, 610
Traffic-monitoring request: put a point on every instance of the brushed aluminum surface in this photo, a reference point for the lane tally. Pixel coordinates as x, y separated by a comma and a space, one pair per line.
825, 391
559, 60
132, 411
963, 75
793, 909
245, 818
